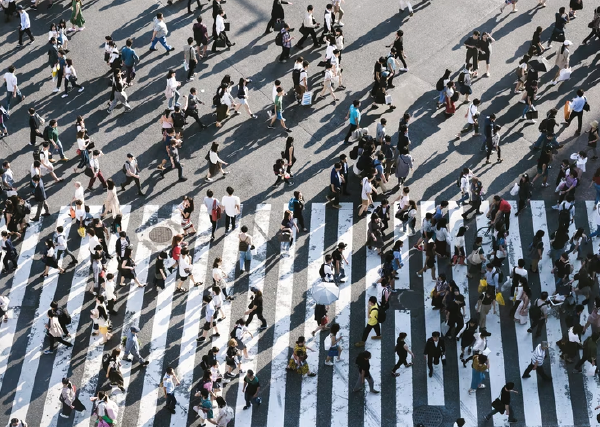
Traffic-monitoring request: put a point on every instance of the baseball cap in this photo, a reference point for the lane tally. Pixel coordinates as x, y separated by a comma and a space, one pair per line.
130, 155
135, 329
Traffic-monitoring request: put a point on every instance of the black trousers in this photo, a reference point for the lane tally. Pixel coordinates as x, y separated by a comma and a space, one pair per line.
60, 252
190, 5
431, 360
308, 32
110, 305
335, 196
223, 36
8, 257
489, 152
368, 329
260, 317
579, 115
300, 217
129, 180
472, 55
25, 31
457, 323
285, 53
191, 69
540, 371
475, 204
539, 324
349, 134
229, 219
214, 225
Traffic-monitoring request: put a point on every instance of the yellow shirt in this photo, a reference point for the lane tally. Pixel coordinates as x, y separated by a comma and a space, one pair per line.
373, 313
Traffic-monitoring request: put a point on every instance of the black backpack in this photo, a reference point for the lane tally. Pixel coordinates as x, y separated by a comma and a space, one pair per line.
354, 153
204, 363
36, 154
564, 215
385, 300
535, 311
178, 120
381, 314
64, 316
296, 77
322, 271
461, 78
439, 86
233, 333
542, 126
500, 275
279, 39
106, 359
125, 167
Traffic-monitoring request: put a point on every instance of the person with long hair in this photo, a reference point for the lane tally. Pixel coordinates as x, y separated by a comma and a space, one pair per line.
111, 203
113, 373
242, 95
220, 277
128, 269
71, 77
215, 164
186, 208
77, 20
50, 258
288, 155
524, 193
171, 92
69, 399
562, 60
101, 318
184, 271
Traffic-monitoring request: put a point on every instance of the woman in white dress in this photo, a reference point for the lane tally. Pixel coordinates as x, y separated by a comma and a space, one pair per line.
522, 312
111, 204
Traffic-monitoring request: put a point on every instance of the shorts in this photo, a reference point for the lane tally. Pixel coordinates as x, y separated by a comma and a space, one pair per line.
242, 101
365, 202
200, 43
326, 84
103, 330
208, 325
230, 362
279, 115
300, 90
544, 173
333, 352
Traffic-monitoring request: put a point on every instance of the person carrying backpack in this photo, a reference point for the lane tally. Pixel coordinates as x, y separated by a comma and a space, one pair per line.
63, 316
326, 271
539, 314
376, 316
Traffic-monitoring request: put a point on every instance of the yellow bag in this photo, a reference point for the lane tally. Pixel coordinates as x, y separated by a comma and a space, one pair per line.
81, 232
500, 298
482, 286
432, 293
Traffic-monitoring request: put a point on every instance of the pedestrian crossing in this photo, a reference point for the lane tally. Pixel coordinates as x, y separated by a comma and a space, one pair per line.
171, 322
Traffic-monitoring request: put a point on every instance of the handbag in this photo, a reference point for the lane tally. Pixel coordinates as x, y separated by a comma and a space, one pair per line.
388, 99
500, 298
72, 212
307, 98
515, 190
81, 232
482, 286
227, 26
498, 405
88, 172
532, 114
284, 237
474, 257
220, 41
215, 213
186, 66
253, 250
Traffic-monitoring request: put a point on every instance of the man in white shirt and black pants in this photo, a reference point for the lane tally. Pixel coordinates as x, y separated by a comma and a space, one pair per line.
25, 26
578, 104
220, 30
132, 173
308, 29
12, 87
231, 204
61, 245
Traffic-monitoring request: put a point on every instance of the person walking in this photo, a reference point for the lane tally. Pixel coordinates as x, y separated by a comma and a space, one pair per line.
54, 332
200, 36
435, 349
537, 362
39, 195
132, 173
132, 346
118, 87
190, 59
256, 308
364, 372
562, 60
277, 15
373, 310
77, 20
24, 26
231, 205
169, 381
590, 352
68, 398
12, 87
502, 403
242, 95
286, 43
93, 170
171, 92
539, 314
159, 34
595, 27
308, 29
480, 366
472, 119
130, 59
71, 77
10, 253
191, 108
251, 389
215, 164
577, 105
221, 35
402, 351
279, 111
61, 245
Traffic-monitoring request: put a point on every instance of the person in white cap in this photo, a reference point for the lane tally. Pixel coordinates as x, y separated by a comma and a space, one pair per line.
562, 59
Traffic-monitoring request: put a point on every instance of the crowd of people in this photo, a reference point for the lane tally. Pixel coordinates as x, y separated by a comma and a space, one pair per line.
375, 158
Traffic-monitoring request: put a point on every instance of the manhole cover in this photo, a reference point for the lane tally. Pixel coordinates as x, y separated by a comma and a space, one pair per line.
161, 234
428, 416
410, 299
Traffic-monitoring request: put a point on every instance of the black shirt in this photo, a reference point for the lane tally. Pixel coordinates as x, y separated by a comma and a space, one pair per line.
363, 365
337, 256
471, 42
160, 265
543, 160
505, 396
258, 303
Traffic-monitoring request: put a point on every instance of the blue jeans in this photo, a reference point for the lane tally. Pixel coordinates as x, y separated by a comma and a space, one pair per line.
595, 233
60, 149
463, 198
162, 40
174, 97
572, 248
476, 379
441, 99
245, 256
556, 253
526, 109
9, 96
597, 187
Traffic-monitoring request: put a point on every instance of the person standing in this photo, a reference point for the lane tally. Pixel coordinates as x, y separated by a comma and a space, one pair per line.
12, 87
372, 323
77, 19
354, 115
130, 59
24, 26
286, 43
251, 389
132, 173
189, 57
35, 121
308, 29
364, 372
435, 349
578, 105
502, 404
472, 45
220, 31
231, 204
537, 362
159, 34
169, 381
132, 345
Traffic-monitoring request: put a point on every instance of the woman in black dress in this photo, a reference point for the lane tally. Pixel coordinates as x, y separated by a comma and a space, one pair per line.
50, 258
128, 269
298, 204
186, 208
288, 155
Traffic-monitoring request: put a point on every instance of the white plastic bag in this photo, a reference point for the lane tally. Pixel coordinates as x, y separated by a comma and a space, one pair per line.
515, 190
186, 66
565, 74
307, 98
388, 99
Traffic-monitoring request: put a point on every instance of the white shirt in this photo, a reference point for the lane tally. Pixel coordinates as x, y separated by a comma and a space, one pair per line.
366, 189
79, 213
61, 242
109, 288
308, 20
328, 19
24, 20
328, 75
219, 24
94, 164
328, 270
230, 203
274, 92
52, 34
521, 272
471, 112
45, 158
210, 311
209, 201
171, 85
184, 262
79, 193
11, 81
304, 78
81, 144
240, 331
403, 202
93, 242
329, 51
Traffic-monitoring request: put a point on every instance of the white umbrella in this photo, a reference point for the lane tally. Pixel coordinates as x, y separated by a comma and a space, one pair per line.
325, 293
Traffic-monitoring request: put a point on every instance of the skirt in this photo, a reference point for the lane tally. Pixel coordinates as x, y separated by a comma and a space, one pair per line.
186, 223
214, 168
441, 247
222, 112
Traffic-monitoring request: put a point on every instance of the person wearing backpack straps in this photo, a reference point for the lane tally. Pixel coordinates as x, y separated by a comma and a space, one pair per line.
373, 320
113, 369
225, 415
539, 314
63, 316
15, 422
245, 247
69, 400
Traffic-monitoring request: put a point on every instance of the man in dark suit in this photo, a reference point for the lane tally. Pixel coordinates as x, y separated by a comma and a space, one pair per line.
40, 197
335, 185
344, 173
10, 253
434, 349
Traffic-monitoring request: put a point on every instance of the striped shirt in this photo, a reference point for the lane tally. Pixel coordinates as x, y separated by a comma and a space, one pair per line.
538, 355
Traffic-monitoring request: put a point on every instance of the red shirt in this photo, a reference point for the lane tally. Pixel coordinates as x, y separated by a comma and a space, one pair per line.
176, 252
504, 206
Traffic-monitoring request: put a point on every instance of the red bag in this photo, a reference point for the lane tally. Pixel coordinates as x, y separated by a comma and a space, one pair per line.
215, 213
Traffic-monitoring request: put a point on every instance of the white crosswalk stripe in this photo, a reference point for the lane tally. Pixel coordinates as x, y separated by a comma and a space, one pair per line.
284, 276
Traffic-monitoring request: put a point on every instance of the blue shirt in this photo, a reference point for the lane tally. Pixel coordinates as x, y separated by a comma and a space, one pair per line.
577, 103
129, 57
354, 115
